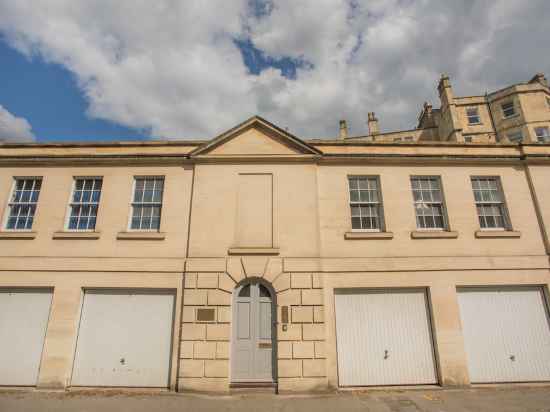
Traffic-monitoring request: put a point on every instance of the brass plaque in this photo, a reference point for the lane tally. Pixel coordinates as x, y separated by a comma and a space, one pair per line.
206, 315
264, 345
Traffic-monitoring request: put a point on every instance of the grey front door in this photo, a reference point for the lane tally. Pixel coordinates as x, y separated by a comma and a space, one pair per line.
252, 354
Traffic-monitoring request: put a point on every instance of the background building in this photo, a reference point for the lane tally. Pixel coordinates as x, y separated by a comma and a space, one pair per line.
257, 258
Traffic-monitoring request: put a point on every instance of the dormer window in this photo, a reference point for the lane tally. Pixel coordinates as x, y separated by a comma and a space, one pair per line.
508, 109
473, 115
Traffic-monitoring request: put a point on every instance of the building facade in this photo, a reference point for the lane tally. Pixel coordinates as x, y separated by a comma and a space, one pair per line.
257, 258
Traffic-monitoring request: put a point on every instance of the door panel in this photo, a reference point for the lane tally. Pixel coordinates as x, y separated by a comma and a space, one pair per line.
24, 318
506, 334
384, 338
252, 347
124, 339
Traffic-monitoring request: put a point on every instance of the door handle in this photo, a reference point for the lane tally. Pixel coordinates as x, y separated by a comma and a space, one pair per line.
386, 354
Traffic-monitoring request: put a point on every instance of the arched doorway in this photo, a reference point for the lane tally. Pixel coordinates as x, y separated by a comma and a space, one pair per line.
253, 343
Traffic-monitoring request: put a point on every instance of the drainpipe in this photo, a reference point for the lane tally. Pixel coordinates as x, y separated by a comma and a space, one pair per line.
536, 203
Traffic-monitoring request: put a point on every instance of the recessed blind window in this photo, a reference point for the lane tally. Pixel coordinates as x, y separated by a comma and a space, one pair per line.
508, 109
489, 199
22, 205
147, 203
84, 203
366, 203
516, 136
428, 202
543, 135
473, 115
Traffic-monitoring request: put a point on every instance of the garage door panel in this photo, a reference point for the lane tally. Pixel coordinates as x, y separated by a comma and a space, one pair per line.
506, 334
384, 338
24, 318
124, 339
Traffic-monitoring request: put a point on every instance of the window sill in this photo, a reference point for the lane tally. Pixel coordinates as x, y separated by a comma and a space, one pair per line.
510, 117
17, 235
76, 235
433, 234
141, 235
488, 234
368, 235
253, 251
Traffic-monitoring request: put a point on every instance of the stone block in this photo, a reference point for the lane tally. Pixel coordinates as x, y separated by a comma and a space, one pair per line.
204, 350
314, 331
289, 297
320, 350
303, 350
214, 385
205, 265
235, 269
224, 314
289, 368
226, 283
186, 349
319, 314
218, 331
300, 281
305, 385
190, 279
191, 368
193, 331
312, 297
194, 297
219, 297
302, 314
216, 368
254, 266
188, 314
317, 280
281, 282
222, 350
274, 269
284, 350
314, 367
292, 332
207, 280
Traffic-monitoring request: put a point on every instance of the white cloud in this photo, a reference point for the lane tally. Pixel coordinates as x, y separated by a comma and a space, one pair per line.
173, 67
14, 129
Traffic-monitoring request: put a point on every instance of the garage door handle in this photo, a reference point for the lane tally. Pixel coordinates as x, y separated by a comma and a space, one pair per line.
122, 361
512, 358
386, 354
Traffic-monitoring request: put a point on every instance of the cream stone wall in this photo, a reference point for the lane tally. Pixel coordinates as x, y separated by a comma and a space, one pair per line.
113, 214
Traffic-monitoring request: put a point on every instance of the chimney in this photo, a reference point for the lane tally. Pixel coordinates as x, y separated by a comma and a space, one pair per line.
373, 124
343, 129
539, 78
445, 90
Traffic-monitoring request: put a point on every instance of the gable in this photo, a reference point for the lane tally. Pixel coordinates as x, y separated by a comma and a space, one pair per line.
254, 142
255, 137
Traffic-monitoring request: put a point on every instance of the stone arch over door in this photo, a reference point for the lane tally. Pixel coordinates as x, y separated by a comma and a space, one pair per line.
254, 341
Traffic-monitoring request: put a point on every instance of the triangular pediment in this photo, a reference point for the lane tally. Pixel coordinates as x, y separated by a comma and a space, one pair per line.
255, 137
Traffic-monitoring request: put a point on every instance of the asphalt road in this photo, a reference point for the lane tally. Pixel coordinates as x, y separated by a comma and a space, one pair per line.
501, 399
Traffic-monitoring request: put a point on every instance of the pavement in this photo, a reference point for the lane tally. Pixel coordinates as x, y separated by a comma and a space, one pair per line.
501, 399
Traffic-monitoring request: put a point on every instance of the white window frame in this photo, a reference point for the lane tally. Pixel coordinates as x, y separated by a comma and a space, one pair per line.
132, 203
504, 116
468, 116
503, 205
70, 204
380, 203
545, 137
444, 216
10, 203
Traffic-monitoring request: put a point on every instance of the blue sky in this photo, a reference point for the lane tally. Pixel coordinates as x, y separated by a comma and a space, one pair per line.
47, 96
136, 69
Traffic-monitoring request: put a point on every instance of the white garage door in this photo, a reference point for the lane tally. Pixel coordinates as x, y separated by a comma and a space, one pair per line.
124, 339
384, 338
506, 333
23, 320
